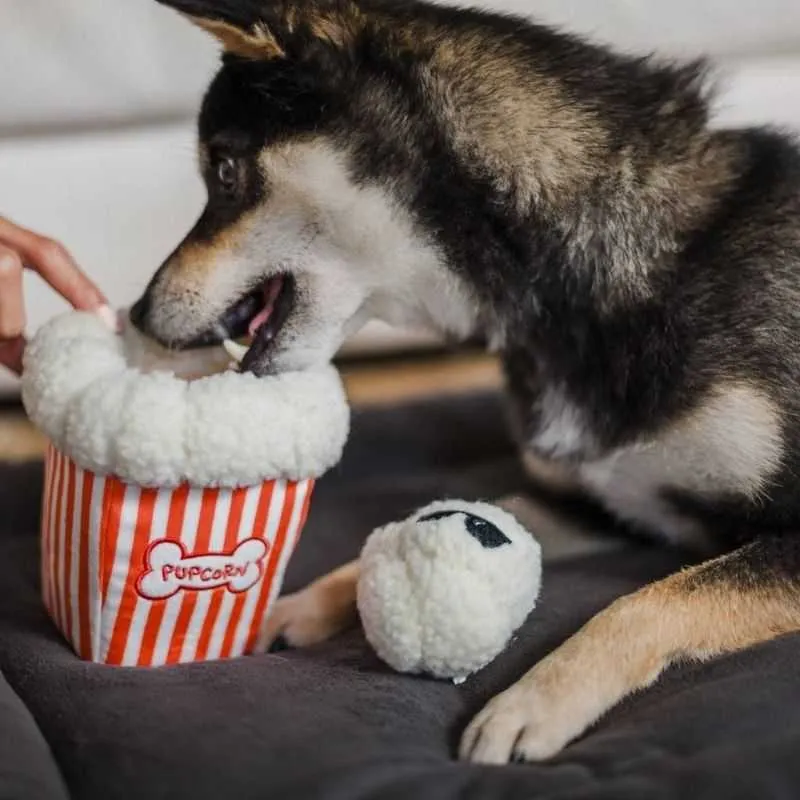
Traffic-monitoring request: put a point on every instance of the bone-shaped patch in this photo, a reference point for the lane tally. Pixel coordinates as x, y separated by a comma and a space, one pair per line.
168, 569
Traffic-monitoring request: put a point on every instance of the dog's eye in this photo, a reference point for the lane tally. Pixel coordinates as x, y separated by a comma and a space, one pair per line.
227, 174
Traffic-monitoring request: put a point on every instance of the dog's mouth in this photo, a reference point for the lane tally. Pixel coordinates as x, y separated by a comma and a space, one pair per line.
259, 317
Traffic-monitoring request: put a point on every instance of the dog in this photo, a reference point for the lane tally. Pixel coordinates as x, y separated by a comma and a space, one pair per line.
637, 271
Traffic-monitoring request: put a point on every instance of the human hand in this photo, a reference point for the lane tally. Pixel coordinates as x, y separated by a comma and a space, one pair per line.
22, 249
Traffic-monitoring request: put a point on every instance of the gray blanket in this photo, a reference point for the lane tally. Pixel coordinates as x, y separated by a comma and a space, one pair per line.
332, 722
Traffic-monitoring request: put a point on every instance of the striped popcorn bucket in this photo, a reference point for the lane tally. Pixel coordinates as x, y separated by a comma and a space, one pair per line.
144, 577
172, 503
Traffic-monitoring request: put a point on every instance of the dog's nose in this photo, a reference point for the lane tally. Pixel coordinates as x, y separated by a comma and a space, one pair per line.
138, 312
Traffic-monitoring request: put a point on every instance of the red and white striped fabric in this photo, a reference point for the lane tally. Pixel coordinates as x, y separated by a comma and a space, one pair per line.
135, 576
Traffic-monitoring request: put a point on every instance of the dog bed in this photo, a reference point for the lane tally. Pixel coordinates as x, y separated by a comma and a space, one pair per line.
332, 722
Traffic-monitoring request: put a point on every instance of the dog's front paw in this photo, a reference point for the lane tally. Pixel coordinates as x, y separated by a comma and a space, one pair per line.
315, 614
300, 620
518, 725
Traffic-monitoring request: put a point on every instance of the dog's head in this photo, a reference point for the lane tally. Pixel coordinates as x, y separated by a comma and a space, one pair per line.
305, 139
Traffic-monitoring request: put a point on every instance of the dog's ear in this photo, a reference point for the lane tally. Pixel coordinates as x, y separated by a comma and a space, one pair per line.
264, 29
237, 24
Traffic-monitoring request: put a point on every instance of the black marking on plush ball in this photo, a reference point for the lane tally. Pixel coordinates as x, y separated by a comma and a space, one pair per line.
489, 536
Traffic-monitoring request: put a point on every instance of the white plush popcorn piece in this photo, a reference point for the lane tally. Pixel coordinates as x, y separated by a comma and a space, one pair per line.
119, 405
442, 592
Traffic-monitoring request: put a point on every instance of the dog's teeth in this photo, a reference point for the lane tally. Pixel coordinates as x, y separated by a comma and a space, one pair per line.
235, 350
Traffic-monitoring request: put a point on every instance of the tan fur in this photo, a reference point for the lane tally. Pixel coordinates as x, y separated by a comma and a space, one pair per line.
256, 44
501, 115
624, 649
673, 194
203, 156
337, 27
194, 262
200, 274
318, 612
553, 475
510, 122
504, 117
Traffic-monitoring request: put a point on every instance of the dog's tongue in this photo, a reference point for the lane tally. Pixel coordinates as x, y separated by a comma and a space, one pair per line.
272, 289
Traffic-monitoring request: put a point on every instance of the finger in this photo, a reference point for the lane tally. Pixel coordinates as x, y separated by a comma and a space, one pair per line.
54, 263
11, 352
12, 305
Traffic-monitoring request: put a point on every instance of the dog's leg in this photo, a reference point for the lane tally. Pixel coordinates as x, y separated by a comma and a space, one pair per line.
745, 597
318, 612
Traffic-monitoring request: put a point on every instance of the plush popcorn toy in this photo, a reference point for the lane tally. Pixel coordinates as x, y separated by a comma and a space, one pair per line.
442, 592
173, 498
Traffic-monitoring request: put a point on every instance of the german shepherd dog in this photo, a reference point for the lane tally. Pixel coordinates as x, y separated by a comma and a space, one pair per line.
638, 272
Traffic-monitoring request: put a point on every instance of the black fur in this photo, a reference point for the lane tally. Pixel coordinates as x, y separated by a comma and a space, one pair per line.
639, 272
243, 13
718, 289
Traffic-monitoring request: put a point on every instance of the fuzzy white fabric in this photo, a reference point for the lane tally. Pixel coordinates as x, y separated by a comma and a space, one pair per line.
433, 599
82, 390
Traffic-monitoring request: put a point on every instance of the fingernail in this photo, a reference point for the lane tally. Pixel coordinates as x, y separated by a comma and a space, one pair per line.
109, 317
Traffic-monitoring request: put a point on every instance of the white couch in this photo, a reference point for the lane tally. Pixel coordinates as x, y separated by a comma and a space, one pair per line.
98, 98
